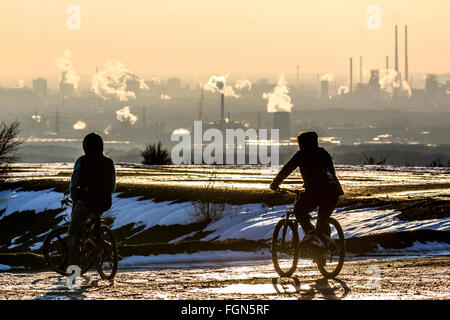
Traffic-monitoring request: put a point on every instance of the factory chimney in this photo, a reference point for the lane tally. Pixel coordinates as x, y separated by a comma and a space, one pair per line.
387, 62
360, 70
396, 50
222, 107
406, 54
351, 76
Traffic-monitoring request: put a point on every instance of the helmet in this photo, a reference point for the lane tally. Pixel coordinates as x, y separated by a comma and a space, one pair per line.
308, 140
93, 144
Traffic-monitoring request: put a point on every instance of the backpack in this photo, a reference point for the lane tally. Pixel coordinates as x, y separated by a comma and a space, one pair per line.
96, 179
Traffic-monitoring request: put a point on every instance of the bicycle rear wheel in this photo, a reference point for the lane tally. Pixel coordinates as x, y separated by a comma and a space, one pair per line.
332, 259
108, 257
285, 247
55, 250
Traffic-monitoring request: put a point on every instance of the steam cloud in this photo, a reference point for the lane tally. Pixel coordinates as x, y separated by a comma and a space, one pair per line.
68, 74
79, 125
20, 84
279, 100
107, 130
219, 84
36, 117
242, 84
343, 90
111, 81
125, 114
165, 97
389, 82
327, 77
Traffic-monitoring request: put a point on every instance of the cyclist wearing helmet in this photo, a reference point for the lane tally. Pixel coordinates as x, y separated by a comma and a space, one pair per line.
322, 187
91, 186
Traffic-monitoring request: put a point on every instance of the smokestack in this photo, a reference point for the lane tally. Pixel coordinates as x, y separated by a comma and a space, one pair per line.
351, 75
222, 107
406, 53
360, 70
387, 62
281, 121
324, 89
396, 50
143, 117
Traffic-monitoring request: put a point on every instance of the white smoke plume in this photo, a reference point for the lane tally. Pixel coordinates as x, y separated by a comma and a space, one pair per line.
20, 84
79, 125
389, 82
343, 90
327, 77
107, 130
36, 117
125, 114
279, 100
156, 80
165, 97
242, 84
68, 74
181, 131
219, 84
111, 81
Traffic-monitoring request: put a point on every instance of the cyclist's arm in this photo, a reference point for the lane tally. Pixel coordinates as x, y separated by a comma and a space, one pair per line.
287, 169
75, 179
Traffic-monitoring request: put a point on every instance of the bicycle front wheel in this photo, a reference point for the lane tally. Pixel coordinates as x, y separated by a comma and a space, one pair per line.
107, 257
56, 250
332, 259
285, 247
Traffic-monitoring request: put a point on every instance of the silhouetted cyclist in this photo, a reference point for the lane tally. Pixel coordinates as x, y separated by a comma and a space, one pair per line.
91, 186
322, 187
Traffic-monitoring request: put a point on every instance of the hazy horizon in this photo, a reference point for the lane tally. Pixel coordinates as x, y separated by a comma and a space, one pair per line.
191, 39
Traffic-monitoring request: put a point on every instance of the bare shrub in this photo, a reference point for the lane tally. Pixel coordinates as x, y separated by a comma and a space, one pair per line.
8, 144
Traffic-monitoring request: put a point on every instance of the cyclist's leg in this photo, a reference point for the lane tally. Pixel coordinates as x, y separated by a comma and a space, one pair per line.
302, 207
76, 231
327, 203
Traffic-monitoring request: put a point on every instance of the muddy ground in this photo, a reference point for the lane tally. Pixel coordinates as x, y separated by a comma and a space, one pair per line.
421, 278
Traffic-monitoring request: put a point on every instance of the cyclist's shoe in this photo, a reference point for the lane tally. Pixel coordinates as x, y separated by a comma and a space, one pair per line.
329, 243
308, 238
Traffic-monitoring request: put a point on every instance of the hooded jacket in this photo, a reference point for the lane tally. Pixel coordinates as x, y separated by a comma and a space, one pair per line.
316, 167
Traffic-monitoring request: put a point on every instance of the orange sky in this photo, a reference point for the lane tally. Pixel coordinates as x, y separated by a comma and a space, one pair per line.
216, 37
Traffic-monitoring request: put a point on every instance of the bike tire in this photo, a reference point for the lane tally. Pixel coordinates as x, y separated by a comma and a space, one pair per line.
57, 233
291, 261
340, 246
114, 255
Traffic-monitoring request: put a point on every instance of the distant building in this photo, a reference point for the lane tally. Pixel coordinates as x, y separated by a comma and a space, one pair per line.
374, 82
66, 89
173, 85
40, 87
433, 88
324, 89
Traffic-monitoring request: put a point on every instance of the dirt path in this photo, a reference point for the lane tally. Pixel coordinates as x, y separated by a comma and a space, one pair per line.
422, 278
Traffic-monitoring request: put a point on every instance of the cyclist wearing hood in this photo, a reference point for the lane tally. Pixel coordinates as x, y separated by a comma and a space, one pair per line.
322, 187
91, 186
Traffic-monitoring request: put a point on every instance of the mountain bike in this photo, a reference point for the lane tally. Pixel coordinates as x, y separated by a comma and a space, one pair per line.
287, 248
98, 247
